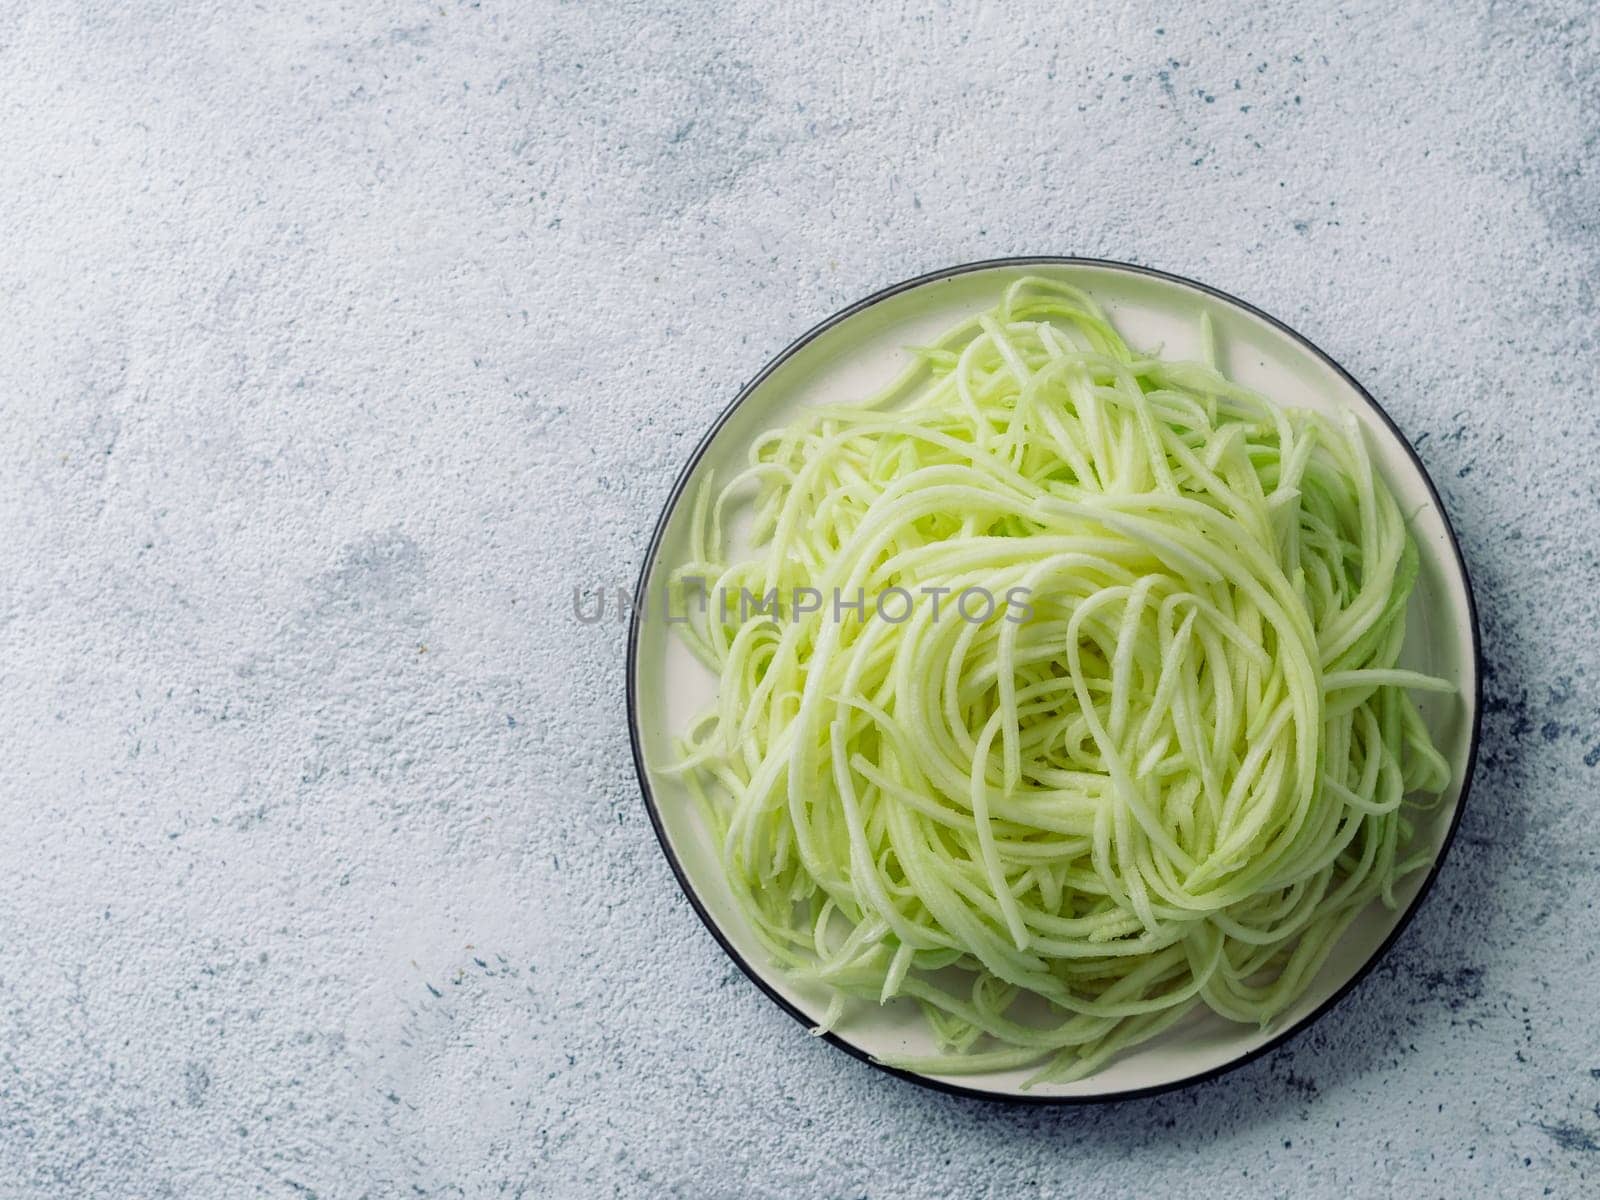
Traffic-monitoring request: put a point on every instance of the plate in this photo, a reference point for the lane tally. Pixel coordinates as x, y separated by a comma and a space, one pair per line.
850, 356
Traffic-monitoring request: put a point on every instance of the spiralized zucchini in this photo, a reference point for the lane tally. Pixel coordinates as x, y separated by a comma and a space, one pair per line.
1165, 767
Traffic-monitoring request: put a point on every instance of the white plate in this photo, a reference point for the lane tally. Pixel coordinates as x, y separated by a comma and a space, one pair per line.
848, 357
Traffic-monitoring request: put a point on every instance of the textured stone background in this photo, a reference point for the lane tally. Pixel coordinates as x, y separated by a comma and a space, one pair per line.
338, 341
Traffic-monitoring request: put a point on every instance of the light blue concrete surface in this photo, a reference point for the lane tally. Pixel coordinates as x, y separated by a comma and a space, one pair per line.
339, 341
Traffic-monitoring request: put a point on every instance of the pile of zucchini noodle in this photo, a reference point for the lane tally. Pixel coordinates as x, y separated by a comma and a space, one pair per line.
1169, 778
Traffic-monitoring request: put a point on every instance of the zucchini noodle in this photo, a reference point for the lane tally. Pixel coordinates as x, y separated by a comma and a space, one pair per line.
1166, 778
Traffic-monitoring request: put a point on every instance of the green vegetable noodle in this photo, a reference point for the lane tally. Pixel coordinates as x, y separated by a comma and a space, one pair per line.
1164, 769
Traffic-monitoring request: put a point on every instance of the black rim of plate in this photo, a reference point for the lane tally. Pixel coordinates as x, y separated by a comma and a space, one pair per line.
754, 975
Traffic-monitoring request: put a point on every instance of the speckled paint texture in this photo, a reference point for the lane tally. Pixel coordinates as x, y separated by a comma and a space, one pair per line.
338, 342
